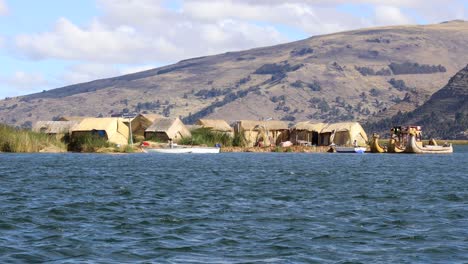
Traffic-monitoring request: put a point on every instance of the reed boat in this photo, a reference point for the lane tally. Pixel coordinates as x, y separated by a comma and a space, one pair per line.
375, 147
399, 139
394, 147
415, 146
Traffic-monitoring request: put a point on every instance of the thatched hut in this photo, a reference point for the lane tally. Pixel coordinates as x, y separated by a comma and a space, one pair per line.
110, 128
140, 123
262, 133
344, 133
216, 125
164, 129
306, 133
55, 128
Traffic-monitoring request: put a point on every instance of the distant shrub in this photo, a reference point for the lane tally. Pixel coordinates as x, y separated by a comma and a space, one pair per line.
400, 85
302, 51
378, 40
314, 86
374, 92
277, 68
288, 118
366, 71
147, 106
205, 94
415, 68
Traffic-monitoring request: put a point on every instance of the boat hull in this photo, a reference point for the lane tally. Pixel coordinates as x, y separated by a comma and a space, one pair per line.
350, 149
375, 146
393, 148
197, 150
413, 147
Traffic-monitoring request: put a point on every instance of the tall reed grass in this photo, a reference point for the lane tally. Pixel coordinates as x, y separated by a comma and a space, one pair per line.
204, 136
21, 140
87, 143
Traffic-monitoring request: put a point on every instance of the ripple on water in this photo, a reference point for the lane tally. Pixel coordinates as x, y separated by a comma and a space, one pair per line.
233, 208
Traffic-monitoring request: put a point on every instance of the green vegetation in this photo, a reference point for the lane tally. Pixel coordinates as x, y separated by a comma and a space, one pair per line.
87, 143
434, 126
204, 136
21, 140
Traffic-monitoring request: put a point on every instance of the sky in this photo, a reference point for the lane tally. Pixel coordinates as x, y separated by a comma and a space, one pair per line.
53, 43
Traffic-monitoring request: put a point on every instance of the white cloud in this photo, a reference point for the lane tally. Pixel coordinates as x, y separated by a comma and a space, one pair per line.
146, 32
24, 81
390, 15
79, 73
3, 8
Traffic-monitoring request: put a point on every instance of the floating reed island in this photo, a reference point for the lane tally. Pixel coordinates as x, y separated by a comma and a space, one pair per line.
126, 135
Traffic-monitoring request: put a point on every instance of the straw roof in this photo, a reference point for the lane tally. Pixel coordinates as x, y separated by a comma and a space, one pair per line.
73, 118
161, 125
151, 117
215, 124
117, 132
309, 126
54, 127
257, 125
172, 127
343, 126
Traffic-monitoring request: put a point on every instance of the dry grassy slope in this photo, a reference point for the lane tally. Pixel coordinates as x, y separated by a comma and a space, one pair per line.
331, 64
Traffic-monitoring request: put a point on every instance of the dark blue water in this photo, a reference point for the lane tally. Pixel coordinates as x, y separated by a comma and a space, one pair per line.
234, 208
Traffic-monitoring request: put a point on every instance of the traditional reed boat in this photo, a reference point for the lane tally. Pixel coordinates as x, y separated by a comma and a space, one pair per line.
375, 147
398, 139
415, 146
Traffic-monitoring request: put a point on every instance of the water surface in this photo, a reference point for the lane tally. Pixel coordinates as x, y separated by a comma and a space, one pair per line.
234, 208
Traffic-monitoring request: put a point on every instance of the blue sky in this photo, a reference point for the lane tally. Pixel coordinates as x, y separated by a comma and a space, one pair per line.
51, 43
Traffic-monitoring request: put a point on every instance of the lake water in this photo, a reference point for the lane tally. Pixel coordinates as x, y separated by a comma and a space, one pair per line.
234, 208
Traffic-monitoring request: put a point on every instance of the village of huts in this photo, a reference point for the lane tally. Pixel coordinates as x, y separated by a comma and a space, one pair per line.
156, 128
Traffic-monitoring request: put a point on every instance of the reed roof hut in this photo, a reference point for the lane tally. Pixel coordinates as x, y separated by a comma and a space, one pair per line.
215, 125
344, 133
306, 133
262, 133
140, 123
110, 128
57, 128
164, 129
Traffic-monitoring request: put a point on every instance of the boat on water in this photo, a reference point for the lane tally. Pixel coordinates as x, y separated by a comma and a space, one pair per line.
181, 150
399, 137
415, 146
408, 139
375, 146
350, 149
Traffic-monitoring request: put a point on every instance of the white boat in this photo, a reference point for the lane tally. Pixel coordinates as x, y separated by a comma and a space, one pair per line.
350, 149
180, 150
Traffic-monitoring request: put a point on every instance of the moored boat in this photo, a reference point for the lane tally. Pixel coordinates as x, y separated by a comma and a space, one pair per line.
375, 147
350, 149
181, 150
415, 146
398, 139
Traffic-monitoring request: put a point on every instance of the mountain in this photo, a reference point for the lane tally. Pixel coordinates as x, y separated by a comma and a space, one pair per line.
444, 115
366, 74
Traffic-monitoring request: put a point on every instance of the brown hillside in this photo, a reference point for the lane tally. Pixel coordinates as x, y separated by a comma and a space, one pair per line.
355, 75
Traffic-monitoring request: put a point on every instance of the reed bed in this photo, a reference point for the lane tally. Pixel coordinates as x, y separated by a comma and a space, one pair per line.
203, 136
26, 141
